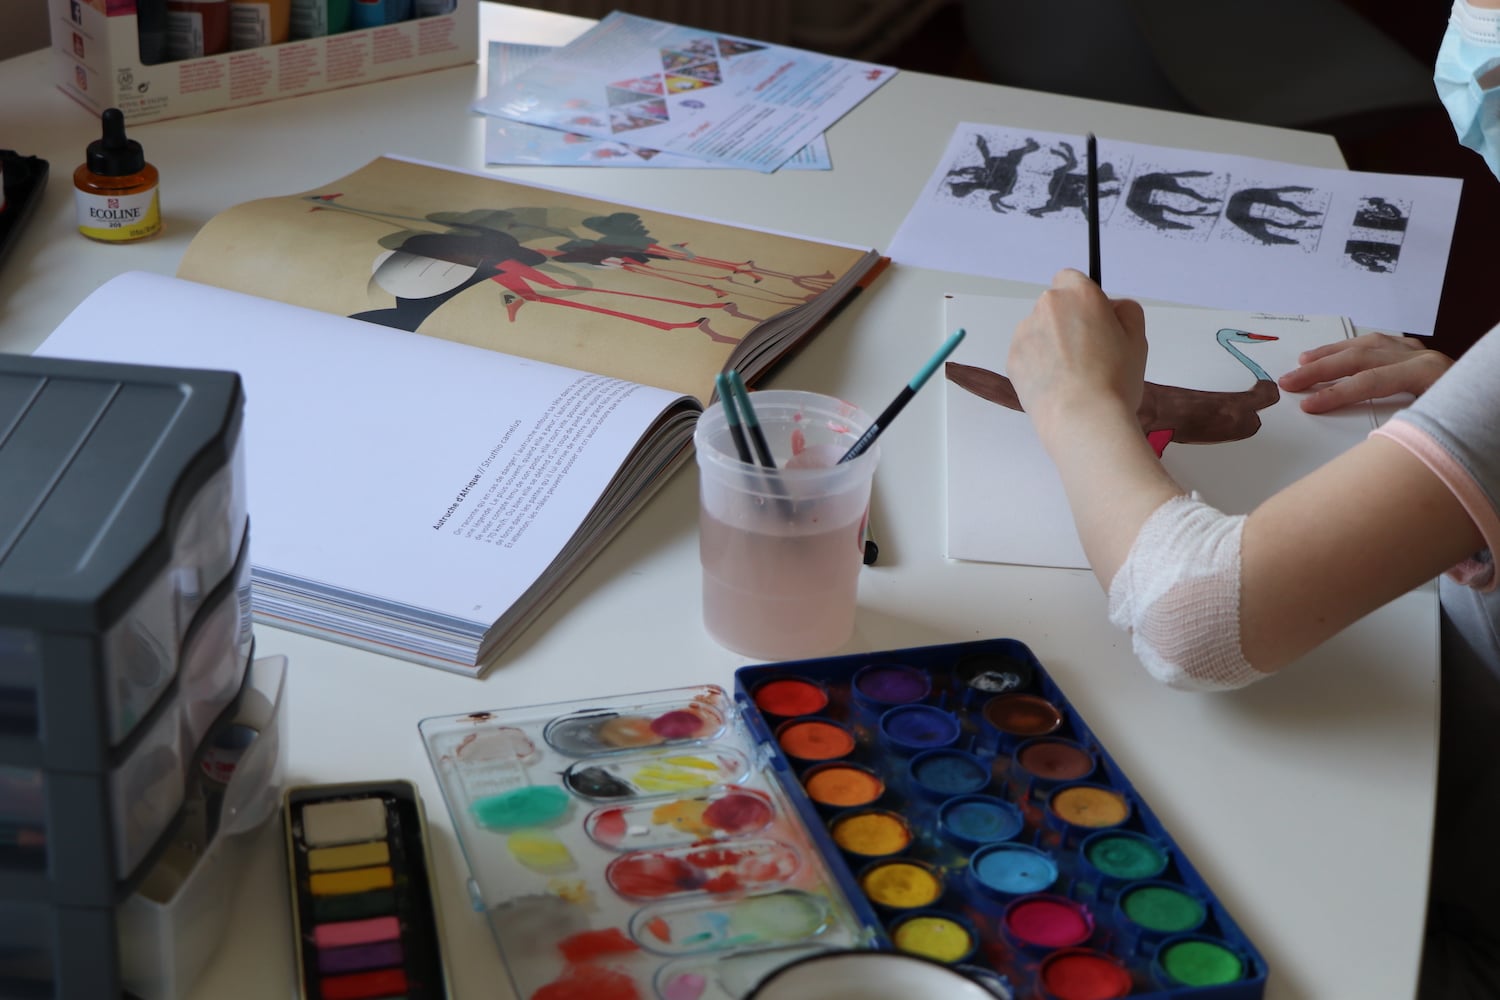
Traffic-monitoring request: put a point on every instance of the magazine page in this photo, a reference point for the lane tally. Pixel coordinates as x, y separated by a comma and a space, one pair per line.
640, 295
426, 479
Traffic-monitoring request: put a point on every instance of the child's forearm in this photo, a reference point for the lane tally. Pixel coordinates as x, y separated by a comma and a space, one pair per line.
1112, 478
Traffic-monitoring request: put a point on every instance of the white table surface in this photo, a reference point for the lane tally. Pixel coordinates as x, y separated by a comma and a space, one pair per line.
1305, 801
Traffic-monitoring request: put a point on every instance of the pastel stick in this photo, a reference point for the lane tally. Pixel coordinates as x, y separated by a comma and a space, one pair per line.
355, 932
327, 859
343, 821
359, 957
357, 906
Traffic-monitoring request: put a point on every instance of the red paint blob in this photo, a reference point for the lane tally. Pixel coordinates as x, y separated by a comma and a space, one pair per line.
726, 881
610, 826
706, 867
586, 945
677, 725
650, 876
790, 697
589, 982
715, 857
1077, 974
738, 812
1048, 921
660, 929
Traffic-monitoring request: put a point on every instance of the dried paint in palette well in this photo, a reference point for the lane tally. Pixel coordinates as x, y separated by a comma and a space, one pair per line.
363, 909
697, 717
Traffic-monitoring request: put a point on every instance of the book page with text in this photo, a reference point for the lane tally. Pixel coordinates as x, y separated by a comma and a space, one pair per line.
437, 480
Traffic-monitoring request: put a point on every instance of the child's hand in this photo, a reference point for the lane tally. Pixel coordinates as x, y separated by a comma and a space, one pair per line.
1371, 366
1078, 348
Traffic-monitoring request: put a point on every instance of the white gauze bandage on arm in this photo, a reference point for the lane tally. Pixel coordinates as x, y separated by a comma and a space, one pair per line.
1178, 594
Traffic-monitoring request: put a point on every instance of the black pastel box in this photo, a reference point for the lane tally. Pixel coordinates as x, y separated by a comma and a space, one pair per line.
972, 817
365, 917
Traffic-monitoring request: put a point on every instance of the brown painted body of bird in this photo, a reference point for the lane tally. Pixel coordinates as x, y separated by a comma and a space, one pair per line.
1168, 413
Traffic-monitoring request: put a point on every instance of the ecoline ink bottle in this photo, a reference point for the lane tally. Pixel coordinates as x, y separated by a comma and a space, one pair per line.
115, 188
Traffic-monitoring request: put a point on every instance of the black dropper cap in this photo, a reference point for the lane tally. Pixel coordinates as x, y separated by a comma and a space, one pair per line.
114, 155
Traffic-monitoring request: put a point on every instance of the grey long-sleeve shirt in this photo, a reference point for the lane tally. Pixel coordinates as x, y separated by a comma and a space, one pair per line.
1454, 428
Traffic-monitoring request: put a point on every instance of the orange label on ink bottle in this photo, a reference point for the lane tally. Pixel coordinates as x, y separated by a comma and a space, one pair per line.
118, 218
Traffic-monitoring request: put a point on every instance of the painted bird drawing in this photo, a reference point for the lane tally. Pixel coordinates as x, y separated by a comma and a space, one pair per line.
1168, 413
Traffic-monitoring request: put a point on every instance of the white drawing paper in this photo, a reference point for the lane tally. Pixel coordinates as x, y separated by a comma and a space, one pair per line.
1006, 503
1187, 226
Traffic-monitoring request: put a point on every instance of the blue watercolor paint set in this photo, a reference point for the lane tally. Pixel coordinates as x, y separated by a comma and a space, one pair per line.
944, 801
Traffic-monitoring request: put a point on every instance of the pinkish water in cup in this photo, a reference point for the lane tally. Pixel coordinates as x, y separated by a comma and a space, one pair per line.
782, 549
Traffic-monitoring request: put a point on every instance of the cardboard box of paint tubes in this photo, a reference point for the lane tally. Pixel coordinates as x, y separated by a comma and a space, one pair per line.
160, 59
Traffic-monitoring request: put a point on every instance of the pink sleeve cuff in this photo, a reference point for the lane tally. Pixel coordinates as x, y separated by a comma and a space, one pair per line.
1475, 572
1478, 571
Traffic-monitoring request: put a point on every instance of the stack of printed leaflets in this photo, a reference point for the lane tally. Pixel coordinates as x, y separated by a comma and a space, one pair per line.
632, 91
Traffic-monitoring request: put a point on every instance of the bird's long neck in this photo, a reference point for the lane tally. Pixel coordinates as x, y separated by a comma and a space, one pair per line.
1255, 369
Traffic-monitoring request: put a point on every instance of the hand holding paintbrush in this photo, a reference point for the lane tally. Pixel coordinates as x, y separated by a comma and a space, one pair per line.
1092, 209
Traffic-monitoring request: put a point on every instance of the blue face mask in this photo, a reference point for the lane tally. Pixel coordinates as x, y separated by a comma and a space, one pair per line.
1467, 74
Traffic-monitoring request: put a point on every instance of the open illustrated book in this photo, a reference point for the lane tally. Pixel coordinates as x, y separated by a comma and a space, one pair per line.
425, 494
1211, 409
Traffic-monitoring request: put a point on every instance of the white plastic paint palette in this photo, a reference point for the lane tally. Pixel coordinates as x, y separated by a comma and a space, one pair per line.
633, 847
